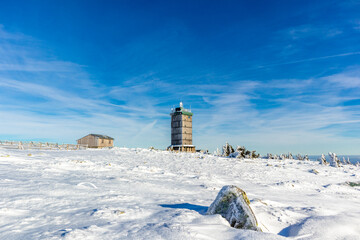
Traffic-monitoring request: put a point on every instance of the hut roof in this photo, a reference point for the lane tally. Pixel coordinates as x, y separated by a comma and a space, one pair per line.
101, 136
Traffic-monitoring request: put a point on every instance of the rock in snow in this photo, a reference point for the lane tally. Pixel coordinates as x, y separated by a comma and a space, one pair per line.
233, 204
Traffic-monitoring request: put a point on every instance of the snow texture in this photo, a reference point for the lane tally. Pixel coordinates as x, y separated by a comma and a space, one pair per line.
146, 194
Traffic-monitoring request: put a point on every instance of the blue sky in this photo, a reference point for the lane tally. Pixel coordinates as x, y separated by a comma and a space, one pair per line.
275, 76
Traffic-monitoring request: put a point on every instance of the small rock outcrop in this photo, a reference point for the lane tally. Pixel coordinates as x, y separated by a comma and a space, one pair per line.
314, 171
233, 204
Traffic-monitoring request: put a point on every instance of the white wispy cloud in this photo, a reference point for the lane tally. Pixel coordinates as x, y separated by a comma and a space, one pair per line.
10, 36
311, 31
302, 109
39, 66
356, 25
350, 79
47, 98
309, 59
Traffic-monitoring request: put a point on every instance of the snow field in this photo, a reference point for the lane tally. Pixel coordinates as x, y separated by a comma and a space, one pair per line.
142, 194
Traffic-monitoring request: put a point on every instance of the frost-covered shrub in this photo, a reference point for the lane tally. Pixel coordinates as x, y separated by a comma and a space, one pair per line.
299, 157
217, 152
254, 154
334, 161
227, 150
346, 161
323, 160
306, 158
269, 156
284, 156
240, 151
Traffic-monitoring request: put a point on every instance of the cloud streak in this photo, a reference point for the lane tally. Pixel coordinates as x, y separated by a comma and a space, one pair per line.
46, 98
310, 59
43, 98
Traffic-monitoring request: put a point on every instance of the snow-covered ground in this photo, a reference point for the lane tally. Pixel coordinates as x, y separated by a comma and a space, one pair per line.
143, 194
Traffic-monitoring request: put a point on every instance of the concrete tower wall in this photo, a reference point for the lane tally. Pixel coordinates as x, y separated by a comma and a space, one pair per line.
176, 129
181, 129
186, 130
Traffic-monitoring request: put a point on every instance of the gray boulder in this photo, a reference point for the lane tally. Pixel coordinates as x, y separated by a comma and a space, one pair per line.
233, 204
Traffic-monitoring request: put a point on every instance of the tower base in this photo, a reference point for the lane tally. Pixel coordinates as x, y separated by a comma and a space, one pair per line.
181, 148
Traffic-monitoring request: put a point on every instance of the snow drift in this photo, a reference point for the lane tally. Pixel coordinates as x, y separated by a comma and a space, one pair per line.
146, 194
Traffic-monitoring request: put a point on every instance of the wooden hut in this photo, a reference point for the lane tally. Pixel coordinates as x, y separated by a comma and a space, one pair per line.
96, 141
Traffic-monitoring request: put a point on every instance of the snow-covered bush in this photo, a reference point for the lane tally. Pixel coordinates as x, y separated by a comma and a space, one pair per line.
299, 157
241, 152
227, 150
217, 152
346, 161
323, 160
254, 154
334, 161
284, 156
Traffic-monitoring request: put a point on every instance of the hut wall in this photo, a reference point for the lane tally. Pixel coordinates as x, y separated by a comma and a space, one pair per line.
105, 143
96, 142
91, 141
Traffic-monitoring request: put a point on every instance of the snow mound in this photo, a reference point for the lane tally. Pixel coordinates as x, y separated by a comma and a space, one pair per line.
344, 226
